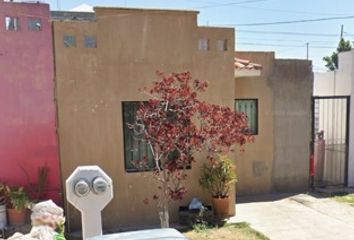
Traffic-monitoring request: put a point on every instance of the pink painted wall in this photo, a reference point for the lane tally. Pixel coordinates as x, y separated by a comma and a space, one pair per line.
27, 109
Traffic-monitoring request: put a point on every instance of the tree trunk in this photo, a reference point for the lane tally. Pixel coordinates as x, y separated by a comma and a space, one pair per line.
164, 217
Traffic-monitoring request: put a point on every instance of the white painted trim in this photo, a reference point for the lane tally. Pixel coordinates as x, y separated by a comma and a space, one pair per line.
247, 73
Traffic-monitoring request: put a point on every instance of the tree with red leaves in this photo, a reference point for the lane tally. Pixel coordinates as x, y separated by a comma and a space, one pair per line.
175, 124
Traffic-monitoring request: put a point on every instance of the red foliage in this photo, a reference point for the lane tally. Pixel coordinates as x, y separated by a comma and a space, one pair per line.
175, 124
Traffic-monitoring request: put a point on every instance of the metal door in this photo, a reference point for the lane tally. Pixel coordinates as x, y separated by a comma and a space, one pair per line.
331, 117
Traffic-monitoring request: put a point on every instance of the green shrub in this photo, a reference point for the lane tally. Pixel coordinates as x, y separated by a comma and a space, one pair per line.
217, 177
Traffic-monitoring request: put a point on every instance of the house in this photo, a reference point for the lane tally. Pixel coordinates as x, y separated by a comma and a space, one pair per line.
276, 96
101, 61
27, 120
333, 92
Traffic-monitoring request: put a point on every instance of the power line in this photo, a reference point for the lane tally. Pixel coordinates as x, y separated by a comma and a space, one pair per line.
284, 50
280, 45
290, 11
214, 4
231, 3
286, 40
348, 33
289, 33
292, 21
201, 1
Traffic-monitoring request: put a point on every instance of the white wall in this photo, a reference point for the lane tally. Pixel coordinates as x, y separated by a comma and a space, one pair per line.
338, 82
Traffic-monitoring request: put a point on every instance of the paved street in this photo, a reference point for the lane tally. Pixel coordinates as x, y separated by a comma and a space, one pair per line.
297, 217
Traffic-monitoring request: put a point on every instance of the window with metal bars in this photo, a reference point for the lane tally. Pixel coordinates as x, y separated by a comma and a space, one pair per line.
137, 153
250, 108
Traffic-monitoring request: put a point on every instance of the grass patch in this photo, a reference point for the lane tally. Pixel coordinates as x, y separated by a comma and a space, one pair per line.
346, 198
235, 231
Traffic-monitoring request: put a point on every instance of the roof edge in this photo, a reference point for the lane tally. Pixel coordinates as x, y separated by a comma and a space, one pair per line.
150, 10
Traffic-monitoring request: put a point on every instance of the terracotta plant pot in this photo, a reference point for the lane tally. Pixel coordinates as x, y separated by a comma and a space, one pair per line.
221, 207
16, 218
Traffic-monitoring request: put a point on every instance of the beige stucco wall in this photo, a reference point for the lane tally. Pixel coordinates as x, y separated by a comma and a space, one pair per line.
254, 166
292, 84
92, 83
278, 159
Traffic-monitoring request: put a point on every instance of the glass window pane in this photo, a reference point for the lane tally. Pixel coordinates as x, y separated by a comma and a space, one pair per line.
69, 41
12, 23
90, 42
135, 148
34, 24
203, 44
222, 45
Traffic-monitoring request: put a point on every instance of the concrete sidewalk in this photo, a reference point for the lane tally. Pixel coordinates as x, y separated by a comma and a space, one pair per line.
298, 217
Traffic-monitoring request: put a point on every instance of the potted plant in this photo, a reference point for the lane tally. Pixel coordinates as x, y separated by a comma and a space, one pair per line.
3, 219
217, 177
18, 202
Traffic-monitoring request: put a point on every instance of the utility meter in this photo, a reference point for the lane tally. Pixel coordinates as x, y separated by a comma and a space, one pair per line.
99, 185
89, 189
82, 188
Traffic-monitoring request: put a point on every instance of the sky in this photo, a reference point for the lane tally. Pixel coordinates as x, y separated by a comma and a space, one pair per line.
286, 40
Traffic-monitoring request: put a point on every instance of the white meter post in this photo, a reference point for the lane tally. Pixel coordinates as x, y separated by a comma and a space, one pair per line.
89, 189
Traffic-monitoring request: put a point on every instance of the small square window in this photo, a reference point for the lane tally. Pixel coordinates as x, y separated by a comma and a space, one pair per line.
250, 108
203, 44
69, 41
12, 23
90, 42
222, 45
34, 24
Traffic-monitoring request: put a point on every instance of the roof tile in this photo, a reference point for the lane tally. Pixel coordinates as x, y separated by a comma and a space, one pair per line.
246, 64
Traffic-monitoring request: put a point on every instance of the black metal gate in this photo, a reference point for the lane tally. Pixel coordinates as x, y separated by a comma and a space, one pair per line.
330, 121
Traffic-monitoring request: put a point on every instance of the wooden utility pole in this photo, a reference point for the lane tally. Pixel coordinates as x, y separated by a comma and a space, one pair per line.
307, 51
341, 32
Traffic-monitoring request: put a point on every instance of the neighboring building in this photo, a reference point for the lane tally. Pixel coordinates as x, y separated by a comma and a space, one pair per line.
337, 87
27, 120
82, 8
100, 64
276, 96
336, 83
